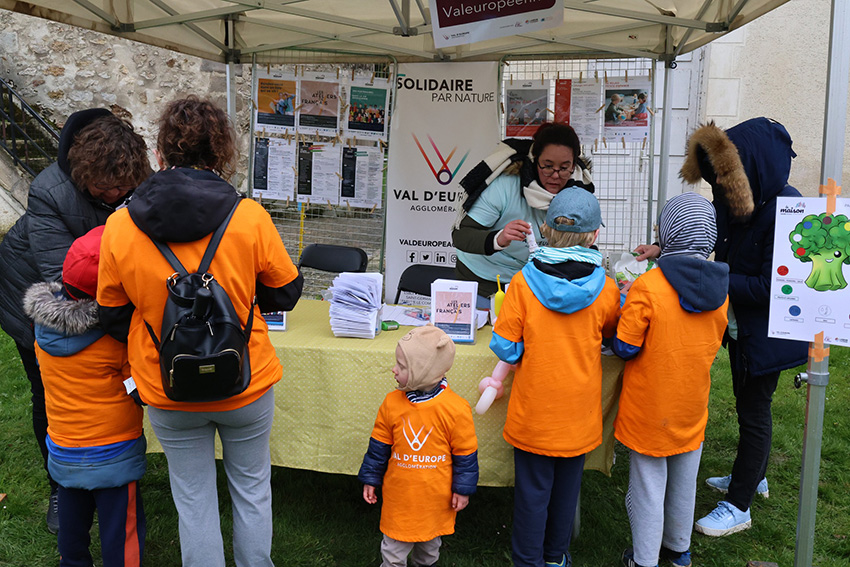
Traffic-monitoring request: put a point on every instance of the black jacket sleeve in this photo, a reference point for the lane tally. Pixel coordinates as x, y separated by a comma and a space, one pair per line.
474, 238
465, 473
281, 298
116, 320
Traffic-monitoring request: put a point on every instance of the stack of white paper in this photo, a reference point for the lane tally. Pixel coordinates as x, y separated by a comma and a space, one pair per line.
356, 305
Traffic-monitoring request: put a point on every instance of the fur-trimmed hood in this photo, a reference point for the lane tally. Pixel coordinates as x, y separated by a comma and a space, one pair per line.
48, 307
746, 165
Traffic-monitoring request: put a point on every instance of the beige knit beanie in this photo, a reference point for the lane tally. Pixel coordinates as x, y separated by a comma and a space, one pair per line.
429, 353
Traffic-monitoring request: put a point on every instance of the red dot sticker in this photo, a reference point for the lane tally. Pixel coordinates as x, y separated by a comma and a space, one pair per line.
782, 270
801, 251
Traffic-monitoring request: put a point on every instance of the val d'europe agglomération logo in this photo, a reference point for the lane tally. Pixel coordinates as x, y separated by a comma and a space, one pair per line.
445, 174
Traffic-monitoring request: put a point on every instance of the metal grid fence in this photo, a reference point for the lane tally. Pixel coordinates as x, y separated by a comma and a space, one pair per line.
620, 170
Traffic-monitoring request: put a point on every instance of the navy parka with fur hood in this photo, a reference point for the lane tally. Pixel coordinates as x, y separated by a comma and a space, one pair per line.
749, 179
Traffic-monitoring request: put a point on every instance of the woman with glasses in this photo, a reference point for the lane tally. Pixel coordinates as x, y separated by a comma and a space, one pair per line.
100, 160
501, 210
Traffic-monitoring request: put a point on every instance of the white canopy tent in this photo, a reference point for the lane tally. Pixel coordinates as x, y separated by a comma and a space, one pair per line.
233, 30
656, 29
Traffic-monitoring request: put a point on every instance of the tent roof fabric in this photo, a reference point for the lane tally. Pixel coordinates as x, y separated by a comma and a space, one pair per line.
370, 29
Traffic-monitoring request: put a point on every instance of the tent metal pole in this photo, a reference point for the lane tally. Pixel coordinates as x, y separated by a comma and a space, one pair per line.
650, 190
230, 71
817, 374
666, 127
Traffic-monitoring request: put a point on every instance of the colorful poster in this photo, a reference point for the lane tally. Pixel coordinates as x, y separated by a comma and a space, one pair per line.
584, 102
563, 100
526, 105
433, 147
318, 108
367, 110
319, 174
275, 99
808, 287
626, 112
274, 168
362, 176
457, 22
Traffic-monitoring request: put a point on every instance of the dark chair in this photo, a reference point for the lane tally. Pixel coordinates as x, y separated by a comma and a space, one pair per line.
333, 258
418, 278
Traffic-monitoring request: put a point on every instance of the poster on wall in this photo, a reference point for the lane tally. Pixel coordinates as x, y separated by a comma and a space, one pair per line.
318, 109
366, 111
584, 102
626, 112
274, 168
362, 176
276, 96
526, 105
808, 287
319, 174
459, 22
433, 148
563, 100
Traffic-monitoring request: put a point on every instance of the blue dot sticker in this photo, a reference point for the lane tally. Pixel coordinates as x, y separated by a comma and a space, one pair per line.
807, 224
794, 310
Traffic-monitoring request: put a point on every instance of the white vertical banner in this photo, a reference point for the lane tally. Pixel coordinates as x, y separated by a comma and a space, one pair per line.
445, 120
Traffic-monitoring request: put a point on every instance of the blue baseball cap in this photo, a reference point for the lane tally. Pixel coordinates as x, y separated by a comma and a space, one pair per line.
577, 204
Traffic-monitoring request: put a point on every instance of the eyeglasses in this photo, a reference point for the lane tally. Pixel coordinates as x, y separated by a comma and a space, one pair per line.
550, 170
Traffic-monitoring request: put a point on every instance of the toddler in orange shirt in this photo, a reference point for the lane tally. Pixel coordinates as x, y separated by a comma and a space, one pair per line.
669, 332
423, 451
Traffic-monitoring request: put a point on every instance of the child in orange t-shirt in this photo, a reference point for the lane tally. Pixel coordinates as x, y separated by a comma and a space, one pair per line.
423, 450
96, 447
556, 311
669, 332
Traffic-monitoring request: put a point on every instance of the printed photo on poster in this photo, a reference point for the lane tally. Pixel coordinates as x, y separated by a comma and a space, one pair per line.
319, 174
318, 106
275, 101
808, 289
626, 112
366, 114
526, 107
362, 176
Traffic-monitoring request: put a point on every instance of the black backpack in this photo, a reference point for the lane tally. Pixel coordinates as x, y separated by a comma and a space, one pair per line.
203, 353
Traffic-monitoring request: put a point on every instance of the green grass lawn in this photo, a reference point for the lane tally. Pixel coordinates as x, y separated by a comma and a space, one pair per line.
321, 519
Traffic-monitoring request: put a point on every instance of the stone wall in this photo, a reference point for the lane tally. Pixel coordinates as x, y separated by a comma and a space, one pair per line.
59, 69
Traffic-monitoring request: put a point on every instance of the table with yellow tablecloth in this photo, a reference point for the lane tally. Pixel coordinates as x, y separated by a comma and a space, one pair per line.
332, 387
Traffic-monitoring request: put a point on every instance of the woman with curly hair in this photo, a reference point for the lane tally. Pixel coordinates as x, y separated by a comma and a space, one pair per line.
182, 205
100, 161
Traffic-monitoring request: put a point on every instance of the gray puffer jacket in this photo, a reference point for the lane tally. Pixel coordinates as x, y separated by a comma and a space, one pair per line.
34, 249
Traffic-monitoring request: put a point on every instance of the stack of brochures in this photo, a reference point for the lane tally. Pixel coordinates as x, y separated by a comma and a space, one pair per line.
356, 305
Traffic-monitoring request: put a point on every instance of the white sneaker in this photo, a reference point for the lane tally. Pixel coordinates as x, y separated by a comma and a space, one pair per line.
721, 484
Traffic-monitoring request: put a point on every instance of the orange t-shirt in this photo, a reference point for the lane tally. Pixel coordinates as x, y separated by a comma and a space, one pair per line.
417, 489
87, 404
664, 401
555, 408
132, 270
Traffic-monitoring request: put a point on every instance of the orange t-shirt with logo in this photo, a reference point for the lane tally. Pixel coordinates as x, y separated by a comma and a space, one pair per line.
555, 408
664, 401
417, 488
132, 270
87, 404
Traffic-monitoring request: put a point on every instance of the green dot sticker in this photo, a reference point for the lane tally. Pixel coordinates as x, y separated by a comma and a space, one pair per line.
787, 289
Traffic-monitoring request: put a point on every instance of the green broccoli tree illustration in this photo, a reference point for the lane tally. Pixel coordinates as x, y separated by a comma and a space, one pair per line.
823, 240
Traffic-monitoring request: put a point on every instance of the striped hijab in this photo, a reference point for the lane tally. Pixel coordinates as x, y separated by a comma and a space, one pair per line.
687, 226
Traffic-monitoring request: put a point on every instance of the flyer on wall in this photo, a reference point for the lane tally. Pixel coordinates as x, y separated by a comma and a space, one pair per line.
318, 109
367, 110
626, 112
526, 105
274, 168
276, 95
433, 148
808, 286
576, 104
319, 174
459, 22
362, 176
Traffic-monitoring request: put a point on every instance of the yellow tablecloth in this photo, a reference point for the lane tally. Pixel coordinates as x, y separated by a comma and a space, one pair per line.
332, 388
